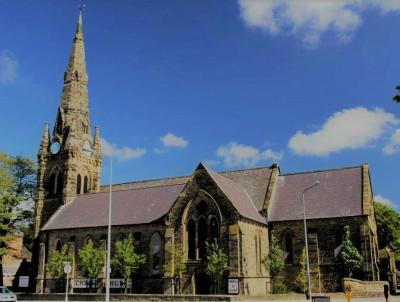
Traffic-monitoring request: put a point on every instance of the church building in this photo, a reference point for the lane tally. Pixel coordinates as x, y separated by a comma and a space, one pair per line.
240, 209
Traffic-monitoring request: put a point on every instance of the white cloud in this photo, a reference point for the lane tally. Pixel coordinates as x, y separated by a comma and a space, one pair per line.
393, 146
172, 141
124, 153
309, 19
384, 200
8, 67
348, 129
236, 155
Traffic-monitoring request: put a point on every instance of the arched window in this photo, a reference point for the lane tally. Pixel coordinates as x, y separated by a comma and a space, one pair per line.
60, 183
191, 230
87, 240
339, 235
59, 123
214, 229
202, 238
58, 245
288, 247
155, 252
78, 184
85, 185
52, 185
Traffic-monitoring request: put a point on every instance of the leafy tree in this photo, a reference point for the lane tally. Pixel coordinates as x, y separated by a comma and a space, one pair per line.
275, 262
57, 261
217, 262
301, 279
388, 225
17, 183
92, 260
126, 261
177, 265
349, 254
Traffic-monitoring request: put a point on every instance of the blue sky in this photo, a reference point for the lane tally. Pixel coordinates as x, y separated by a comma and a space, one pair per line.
234, 84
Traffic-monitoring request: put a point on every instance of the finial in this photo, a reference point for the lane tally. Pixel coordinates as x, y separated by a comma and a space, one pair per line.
81, 8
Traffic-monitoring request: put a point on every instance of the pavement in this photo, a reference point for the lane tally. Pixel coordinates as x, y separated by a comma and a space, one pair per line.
336, 299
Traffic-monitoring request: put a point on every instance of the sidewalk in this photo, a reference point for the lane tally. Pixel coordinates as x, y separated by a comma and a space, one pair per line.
336, 299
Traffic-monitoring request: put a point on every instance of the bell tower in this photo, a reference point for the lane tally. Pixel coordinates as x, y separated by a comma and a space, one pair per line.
69, 158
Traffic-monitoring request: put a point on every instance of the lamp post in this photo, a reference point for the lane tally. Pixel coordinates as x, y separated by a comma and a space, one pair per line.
305, 235
108, 266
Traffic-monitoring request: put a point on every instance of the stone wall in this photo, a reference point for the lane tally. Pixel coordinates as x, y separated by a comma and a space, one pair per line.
76, 239
358, 286
324, 237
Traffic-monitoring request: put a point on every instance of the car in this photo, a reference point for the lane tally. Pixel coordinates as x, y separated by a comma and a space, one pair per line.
7, 295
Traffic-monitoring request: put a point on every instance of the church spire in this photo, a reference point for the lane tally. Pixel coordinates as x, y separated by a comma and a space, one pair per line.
77, 65
72, 127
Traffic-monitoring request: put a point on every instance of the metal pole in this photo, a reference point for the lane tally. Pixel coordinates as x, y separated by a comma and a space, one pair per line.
108, 268
305, 236
66, 289
308, 260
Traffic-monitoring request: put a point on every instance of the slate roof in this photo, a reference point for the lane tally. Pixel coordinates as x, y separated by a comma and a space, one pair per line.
146, 201
134, 206
238, 196
338, 194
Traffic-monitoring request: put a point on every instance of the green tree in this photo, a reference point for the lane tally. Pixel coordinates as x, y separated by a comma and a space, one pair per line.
177, 264
92, 260
388, 225
126, 261
57, 262
301, 279
17, 183
349, 254
217, 263
275, 262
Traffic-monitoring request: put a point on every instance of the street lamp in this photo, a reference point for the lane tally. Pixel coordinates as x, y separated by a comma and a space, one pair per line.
108, 266
305, 236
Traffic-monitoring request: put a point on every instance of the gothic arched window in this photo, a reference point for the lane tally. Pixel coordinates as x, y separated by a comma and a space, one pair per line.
60, 183
191, 230
85, 185
52, 185
214, 229
59, 245
288, 247
202, 238
78, 184
155, 252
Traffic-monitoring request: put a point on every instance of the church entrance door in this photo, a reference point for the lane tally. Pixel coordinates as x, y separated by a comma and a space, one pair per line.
203, 283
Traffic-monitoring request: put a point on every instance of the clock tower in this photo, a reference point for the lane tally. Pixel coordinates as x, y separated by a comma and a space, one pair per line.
69, 159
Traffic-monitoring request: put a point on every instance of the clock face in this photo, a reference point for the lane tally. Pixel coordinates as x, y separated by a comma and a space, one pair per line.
87, 149
55, 147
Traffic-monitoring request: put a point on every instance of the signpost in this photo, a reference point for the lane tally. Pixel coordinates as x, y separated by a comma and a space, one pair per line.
23, 281
67, 270
233, 286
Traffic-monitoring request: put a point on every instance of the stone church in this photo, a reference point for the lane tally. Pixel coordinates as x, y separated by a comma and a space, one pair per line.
240, 209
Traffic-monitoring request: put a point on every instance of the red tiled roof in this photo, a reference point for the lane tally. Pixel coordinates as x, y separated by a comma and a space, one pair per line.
338, 194
134, 206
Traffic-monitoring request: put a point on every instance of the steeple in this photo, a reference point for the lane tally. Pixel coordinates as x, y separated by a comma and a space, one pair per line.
69, 160
72, 127
77, 66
